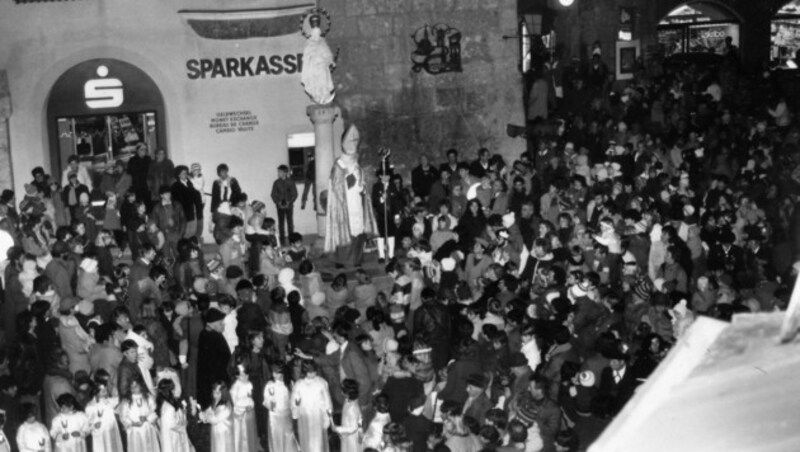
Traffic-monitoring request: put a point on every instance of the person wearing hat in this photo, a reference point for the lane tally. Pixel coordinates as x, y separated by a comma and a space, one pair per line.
617, 383
185, 194
725, 257
216, 355
387, 201
477, 403
32, 203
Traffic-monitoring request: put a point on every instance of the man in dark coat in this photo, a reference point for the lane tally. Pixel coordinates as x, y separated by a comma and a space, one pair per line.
138, 168
432, 325
61, 271
467, 364
423, 177
352, 365
212, 347
402, 387
184, 193
418, 427
726, 257
617, 384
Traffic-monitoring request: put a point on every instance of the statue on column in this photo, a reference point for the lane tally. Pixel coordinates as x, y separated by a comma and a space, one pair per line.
349, 218
318, 61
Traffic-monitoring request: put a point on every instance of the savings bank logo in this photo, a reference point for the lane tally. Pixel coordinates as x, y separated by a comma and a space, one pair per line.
103, 92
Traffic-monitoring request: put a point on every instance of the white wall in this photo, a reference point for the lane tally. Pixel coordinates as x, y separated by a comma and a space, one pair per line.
41, 41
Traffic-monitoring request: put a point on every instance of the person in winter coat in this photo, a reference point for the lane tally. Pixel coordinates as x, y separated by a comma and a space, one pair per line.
161, 172
138, 168
185, 194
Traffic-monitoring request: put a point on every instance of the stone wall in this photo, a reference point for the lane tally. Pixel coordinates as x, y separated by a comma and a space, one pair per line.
413, 112
6, 175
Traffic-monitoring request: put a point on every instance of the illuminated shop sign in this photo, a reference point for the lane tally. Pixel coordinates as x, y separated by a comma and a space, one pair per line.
254, 66
103, 92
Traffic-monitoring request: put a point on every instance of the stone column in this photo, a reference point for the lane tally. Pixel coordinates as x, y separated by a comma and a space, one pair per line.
323, 117
6, 174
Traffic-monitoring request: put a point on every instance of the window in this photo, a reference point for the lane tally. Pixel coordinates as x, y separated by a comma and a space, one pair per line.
301, 153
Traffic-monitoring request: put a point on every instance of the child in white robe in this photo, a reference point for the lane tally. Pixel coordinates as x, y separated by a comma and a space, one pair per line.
70, 426
138, 416
32, 435
350, 431
102, 417
311, 409
245, 435
219, 416
276, 400
374, 435
172, 419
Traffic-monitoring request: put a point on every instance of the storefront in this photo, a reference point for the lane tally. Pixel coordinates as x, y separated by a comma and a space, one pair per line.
785, 36
108, 76
102, 110
697, 27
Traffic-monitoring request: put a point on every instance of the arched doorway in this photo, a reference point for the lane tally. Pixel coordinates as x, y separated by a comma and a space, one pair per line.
785, 36
698, 27
101, 110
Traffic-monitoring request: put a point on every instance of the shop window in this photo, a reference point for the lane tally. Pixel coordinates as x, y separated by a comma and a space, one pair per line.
785, 36
699, 27
301, 154
100, 139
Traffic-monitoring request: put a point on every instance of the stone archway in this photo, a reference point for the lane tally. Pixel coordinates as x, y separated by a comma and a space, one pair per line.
104, 88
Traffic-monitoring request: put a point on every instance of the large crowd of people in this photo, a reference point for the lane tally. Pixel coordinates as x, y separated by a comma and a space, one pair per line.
526, 296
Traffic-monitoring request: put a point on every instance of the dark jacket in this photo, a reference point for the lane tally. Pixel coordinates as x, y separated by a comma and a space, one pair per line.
355, 366
190, 199
284, 193
217, 193
400, 391
418, 429
459, 371
432, 323
127, 372
80, 188
422, 179
213, 365
61, 272
170, 218
613, 395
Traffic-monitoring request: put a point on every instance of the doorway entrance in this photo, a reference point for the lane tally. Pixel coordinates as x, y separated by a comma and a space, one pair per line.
103, 110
